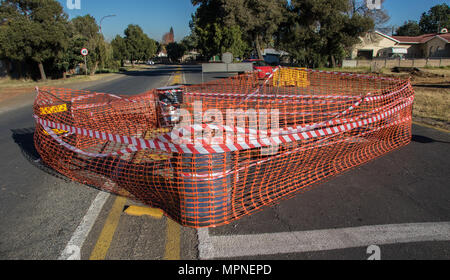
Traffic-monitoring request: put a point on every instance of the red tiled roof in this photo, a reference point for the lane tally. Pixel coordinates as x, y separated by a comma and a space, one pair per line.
420, 39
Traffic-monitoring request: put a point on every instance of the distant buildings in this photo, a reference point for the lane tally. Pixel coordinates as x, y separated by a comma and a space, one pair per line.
168, 37
379, 45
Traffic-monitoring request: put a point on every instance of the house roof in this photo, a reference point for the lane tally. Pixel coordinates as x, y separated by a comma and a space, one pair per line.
416, 39
421, 39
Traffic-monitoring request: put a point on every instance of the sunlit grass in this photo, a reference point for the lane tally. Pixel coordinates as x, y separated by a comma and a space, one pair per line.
25, 83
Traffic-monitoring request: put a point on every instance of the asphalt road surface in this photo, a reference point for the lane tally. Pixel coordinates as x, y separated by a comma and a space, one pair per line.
399, 203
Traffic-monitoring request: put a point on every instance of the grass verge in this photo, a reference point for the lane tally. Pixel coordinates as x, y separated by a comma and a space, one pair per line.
432, 106
15, 83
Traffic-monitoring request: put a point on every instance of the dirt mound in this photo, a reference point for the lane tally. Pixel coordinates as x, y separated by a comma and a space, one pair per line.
415, 72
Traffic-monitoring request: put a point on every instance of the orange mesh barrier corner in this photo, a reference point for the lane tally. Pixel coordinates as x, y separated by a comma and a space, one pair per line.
212, 153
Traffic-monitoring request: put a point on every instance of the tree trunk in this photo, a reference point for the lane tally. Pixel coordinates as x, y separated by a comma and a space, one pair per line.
333, 61
94, 69
258, 47
42, 71
19, 69
8, 67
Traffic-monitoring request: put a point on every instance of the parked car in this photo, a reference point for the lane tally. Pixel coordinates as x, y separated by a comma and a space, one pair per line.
261, 67
150, 62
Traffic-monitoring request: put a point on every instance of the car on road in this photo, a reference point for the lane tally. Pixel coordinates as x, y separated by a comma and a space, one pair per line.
261, 67
150, 62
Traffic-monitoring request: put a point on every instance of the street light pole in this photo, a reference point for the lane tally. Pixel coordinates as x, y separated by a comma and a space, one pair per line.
100, 25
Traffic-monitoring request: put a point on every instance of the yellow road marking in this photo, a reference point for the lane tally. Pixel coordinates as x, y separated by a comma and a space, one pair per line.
432, 127
173, 230
144, 211
109, 228
177, 79
173, 233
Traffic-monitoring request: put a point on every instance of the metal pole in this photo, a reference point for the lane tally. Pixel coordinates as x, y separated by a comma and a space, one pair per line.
85, 65
100, 25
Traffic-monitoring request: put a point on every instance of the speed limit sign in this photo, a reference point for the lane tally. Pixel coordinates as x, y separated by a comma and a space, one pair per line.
84, 52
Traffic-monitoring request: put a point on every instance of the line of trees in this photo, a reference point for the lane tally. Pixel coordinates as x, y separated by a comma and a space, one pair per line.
433, 21
314, 32
38, 38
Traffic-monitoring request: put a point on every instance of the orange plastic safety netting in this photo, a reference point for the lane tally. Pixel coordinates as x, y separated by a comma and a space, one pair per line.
212, 153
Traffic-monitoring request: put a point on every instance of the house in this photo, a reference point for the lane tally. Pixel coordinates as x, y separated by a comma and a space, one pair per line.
378, 45
162, 53
190, 56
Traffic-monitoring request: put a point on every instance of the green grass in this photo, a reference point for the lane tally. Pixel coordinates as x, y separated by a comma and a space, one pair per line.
346, 69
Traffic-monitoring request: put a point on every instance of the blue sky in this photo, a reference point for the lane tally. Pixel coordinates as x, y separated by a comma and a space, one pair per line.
157, 16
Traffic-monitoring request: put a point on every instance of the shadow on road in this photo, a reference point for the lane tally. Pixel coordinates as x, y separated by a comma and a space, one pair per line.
426, 140
164, 71
118, 175
24, 138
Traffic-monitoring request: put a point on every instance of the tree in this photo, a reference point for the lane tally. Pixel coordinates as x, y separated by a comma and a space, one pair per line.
435, 19
379, 16
86, 27
175, 51
258, 20
320, 32
150, 48
216, 39
190, 42
71, 57
34, 29
137, 44
409, 28
120, 51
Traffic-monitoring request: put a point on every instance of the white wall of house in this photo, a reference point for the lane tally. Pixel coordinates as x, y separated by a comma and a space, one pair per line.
381, 45
375, 42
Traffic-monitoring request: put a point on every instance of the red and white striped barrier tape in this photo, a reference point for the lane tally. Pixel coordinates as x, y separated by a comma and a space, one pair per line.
203, 147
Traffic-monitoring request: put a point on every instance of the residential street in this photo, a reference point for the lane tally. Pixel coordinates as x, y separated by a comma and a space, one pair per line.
400, 202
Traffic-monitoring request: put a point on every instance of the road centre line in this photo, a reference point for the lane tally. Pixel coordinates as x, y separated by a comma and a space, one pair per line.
173, 229
235, 246
173, 235
109, 229
72, 251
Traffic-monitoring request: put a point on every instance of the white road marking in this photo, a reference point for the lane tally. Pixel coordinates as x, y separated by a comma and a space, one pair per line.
235, 246
73, 248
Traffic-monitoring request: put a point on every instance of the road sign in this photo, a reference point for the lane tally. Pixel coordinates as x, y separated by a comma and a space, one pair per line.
84, 52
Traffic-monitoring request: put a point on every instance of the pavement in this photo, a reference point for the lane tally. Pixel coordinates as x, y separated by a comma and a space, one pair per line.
395, 207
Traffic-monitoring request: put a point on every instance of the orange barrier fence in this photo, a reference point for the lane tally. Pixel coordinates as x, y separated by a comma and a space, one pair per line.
212, 153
